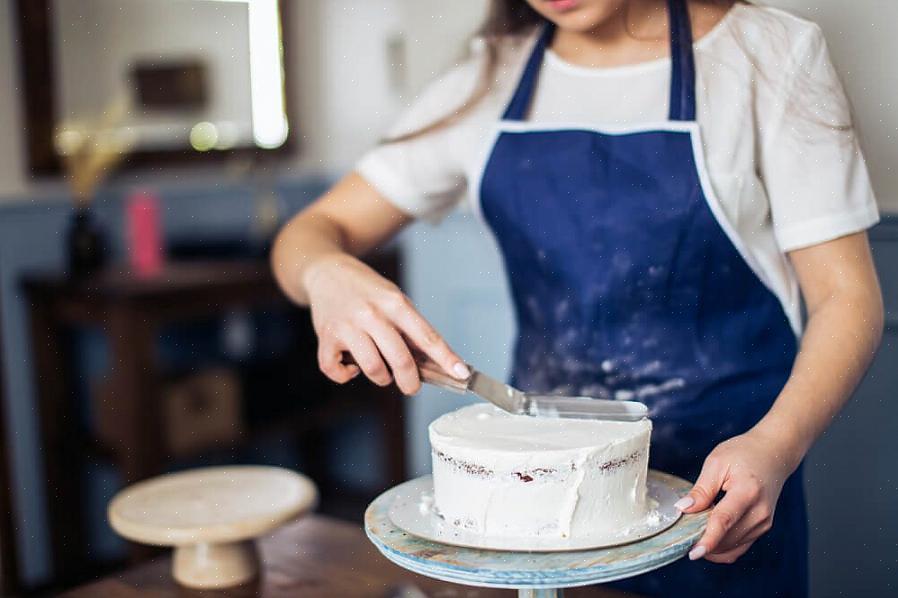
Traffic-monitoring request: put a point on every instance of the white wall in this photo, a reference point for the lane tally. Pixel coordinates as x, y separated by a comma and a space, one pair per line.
435, 36
342, 75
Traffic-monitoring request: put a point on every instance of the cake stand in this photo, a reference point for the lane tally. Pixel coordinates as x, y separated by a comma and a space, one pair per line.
533, 574
211, 516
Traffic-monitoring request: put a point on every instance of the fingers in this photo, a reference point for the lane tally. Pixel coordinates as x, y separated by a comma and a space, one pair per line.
723, 518
366, 355
729, 557
754, 524
379, 333
425, 337
394, 349
329, 360
706, 488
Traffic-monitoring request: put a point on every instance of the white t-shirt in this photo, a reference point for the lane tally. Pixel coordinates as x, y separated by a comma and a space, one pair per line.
767, 95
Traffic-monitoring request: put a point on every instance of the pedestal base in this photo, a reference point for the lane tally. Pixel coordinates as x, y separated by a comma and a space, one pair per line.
541, 593
212, 566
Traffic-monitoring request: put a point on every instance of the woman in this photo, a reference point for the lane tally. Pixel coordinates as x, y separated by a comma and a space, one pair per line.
660, 205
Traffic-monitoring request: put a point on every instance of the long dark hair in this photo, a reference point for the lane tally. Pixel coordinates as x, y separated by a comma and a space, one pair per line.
510, 18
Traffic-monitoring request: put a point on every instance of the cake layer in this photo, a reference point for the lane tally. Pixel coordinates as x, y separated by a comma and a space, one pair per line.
510, 475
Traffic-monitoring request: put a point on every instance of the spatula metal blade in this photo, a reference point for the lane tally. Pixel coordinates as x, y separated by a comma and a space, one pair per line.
499, 394
584, 408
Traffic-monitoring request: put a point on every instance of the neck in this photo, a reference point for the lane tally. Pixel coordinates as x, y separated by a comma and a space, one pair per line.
636, 31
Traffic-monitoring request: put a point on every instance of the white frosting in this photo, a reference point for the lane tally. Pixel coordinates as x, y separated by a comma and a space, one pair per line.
511, 475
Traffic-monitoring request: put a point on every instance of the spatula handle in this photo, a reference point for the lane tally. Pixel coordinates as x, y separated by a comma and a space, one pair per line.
433, 374
429, 371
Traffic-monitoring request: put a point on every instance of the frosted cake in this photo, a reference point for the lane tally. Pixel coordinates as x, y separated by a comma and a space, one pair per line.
507, 475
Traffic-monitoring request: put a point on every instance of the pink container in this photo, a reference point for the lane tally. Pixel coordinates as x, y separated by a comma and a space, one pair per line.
146, 253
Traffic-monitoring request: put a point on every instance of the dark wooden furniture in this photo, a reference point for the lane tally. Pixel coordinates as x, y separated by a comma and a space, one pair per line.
314, 557
131, 311
38, 83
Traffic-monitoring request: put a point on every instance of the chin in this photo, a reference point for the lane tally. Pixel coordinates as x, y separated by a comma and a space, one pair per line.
577, 15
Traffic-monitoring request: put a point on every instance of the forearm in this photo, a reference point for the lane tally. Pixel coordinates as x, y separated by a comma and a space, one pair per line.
841, 338
349, 220
304, 241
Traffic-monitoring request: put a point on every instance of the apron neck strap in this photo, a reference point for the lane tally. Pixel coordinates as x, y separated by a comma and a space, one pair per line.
682, 62
682, 74
520, 101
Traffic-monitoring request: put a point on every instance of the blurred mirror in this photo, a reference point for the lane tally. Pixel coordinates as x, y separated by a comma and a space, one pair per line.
161, 78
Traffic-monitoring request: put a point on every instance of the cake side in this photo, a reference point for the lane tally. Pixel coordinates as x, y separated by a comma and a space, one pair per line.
519, 476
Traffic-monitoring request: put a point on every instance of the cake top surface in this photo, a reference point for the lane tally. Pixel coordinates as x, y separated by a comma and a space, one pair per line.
483, 426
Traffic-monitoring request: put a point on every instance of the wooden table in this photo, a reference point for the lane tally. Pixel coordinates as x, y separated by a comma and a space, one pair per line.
316, 556
131, 310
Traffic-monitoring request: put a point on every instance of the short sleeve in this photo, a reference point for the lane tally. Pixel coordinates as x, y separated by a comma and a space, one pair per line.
425, 176
811, 163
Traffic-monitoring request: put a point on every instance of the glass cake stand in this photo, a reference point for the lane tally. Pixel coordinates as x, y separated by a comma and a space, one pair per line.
540, 573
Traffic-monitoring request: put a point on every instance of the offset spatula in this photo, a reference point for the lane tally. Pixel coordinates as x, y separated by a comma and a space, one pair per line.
514, 401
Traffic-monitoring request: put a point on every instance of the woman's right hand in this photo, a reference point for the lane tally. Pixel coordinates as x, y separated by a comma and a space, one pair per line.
355, 309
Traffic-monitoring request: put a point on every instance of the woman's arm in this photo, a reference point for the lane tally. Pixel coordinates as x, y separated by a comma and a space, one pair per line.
845, 319
351, 218
354, 309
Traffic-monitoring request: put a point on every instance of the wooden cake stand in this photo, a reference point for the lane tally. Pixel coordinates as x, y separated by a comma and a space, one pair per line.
211, 516
533, 574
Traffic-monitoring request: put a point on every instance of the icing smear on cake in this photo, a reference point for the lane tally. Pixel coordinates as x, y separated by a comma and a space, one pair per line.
510, 475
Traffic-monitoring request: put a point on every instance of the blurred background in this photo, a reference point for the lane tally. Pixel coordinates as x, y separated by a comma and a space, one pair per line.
149, 150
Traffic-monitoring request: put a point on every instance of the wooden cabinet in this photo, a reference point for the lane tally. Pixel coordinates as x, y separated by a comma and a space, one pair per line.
129, 419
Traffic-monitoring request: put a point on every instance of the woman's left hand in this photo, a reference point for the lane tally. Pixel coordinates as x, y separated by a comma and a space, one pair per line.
751, 469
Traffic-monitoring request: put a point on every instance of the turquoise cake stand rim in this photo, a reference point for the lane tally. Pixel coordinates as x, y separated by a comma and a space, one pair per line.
531, 570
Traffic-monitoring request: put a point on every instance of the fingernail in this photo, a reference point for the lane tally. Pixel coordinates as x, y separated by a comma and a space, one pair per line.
697, 553
461, 370
684, 503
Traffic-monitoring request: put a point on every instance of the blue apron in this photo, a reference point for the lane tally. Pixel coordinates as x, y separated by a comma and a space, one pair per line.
629, 283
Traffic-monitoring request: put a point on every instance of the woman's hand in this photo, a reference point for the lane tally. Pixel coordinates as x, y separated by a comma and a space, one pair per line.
355, 309
751, 469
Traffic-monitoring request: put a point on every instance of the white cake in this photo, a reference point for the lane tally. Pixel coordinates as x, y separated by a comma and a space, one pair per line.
516, 476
